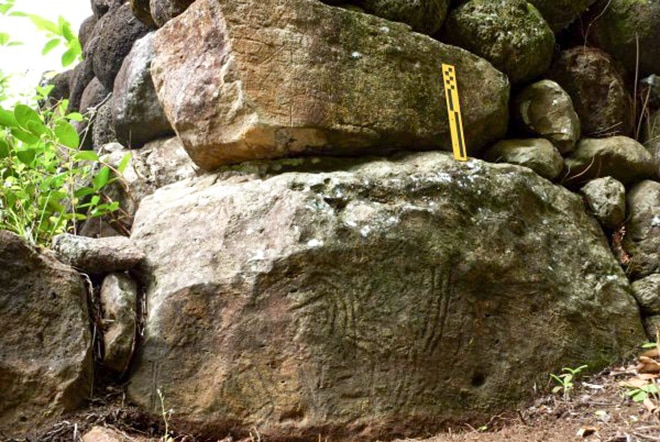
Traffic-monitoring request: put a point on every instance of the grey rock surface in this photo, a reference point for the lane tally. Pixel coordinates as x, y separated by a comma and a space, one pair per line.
626, 28
606, 198
137, 114
647, 293
424, 16
511, 34
561, 13
598, 90
119, 295
643, 238
119, 30
103, 129
370, 296
538, 154
622, 158
544, 109
97, 255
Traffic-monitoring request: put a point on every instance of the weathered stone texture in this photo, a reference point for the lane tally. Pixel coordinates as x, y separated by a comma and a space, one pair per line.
544, 109
298, 76
628, 29
536, 153
561, 13
119, 303
425, 16
163, 11
119, 30
374, 299
622, 158
45, 344
606, 198
597, 89
643, 238
511, 34
97, 255
137, 114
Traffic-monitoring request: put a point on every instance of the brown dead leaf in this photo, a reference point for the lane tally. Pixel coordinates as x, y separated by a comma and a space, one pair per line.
652, 353
651, 406
648, 365
636, 382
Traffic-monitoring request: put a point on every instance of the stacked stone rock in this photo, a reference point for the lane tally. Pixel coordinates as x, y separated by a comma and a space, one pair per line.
371, 297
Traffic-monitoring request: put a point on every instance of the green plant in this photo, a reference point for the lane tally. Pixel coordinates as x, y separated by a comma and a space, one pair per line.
166, 415
565, 380
47, 183
641, 393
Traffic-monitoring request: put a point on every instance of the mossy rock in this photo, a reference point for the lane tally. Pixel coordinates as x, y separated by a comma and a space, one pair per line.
511, 34
424, 16
561, 13
620, 27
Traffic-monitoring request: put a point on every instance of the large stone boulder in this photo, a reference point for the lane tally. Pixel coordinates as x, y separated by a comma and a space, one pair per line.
561, 13
544, 109
381, 297
642, 240
597, 89
315, 79
511, 34
45, 344
119, 30
137, 114
425, 16
536, 153
628, 29
622, 158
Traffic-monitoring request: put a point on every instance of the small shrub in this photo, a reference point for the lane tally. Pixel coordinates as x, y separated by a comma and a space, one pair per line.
47, 183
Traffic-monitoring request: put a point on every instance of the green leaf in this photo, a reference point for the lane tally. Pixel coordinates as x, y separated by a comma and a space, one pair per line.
5, 8
43, 24
86, 155
68, 57
638, 395
52, 44
66, 134
4, 38
74, 116
7, 118
24, 136
4, 149
29, 119
65, 29
26, 156
121, 167
101, 178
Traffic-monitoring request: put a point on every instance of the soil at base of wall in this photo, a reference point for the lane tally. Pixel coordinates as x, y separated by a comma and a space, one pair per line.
597, 410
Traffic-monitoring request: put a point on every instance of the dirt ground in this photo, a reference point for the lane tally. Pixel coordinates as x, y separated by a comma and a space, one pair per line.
597, 408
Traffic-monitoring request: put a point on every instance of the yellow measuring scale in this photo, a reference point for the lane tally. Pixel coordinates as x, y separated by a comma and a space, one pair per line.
454, 112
